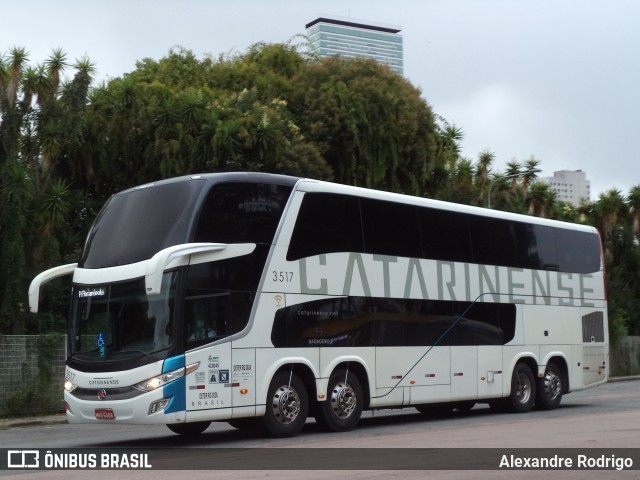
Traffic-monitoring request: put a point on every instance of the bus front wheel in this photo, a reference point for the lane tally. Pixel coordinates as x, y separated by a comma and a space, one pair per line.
342, 408
188, 429
287, 405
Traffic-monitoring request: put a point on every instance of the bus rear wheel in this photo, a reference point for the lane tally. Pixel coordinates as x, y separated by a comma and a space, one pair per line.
549, 392
189, 429
523, 390
287, 405
342, 409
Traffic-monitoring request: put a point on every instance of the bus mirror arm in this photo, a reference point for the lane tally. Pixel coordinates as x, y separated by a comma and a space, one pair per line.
45, 277
161, 260
194, 253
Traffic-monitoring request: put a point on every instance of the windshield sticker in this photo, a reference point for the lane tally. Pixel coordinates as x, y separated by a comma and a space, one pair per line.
101, 340
96, 292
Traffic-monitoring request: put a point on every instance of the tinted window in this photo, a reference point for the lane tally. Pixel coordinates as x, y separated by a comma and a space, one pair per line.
362, 322
136, 224
536, 246
445, 235
326, 223
241, 212
577, 252
219, 296
390, 228
494, 241
329, 223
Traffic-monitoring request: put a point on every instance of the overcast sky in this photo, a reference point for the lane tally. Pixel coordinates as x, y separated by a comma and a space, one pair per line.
556, 79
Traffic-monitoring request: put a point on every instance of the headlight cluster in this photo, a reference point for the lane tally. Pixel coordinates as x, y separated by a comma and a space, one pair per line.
164, 378
160, 380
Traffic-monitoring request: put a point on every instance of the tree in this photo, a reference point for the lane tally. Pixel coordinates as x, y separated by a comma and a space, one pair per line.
368, 122
609, 212
530, 172
41, 133
541, 200
633, 203
483, 168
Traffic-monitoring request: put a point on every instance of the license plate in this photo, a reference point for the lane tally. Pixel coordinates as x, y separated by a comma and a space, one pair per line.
105, 414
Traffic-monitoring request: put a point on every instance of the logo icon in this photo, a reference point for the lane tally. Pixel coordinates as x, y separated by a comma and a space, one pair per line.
23, 459
102, 394
279, 299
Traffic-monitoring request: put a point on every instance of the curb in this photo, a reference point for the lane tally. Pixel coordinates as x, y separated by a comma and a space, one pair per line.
624, 379
32, 421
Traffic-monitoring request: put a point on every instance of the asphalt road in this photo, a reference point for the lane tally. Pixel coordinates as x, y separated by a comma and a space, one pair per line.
606, 417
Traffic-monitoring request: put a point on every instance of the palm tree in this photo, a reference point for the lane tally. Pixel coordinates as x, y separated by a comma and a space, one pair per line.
610, 209
55, 64
633, 203
530, 172
514, 172
541, 199
54, 205
19, 57
483, 168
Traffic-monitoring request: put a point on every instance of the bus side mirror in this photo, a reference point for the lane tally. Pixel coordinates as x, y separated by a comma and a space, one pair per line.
45, 277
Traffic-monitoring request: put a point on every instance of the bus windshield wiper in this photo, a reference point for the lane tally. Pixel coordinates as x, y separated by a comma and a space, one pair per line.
142, 352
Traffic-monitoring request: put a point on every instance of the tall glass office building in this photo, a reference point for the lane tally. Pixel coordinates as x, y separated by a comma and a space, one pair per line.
350, 38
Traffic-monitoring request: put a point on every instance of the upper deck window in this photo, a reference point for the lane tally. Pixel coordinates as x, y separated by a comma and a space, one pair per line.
136, 224
242, 213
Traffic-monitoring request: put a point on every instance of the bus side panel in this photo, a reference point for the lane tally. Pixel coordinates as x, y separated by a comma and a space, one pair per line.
209, 388
243, 380
595, 351
551, 325
464, 372
490, 375
426, 378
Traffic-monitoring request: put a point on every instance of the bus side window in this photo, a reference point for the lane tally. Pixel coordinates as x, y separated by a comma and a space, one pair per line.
206, 317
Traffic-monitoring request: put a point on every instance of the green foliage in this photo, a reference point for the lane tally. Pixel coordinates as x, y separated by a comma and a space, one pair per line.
37, 393
66, 146
369, 123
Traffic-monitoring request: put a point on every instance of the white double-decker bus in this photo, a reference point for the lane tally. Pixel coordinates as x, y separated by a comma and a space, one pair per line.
263, 300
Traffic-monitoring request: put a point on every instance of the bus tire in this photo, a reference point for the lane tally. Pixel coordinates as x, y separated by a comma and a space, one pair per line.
342, 409
247, 424
549, 391
464, 406
523, 390
287, 405
188, 429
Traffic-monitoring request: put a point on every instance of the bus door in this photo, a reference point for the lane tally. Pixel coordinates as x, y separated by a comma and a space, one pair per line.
206, 324
210, 386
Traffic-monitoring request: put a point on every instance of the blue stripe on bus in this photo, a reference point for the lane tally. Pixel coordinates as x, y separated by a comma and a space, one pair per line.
175, 390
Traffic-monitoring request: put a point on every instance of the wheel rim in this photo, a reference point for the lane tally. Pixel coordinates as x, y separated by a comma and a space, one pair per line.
552, 385
343, 400
523, 388
285, 404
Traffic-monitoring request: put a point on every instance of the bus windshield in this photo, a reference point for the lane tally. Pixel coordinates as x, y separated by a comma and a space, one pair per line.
119, 321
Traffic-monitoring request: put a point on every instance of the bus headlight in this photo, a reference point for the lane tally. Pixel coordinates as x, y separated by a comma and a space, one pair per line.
156, 382
69, 386
160, 380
